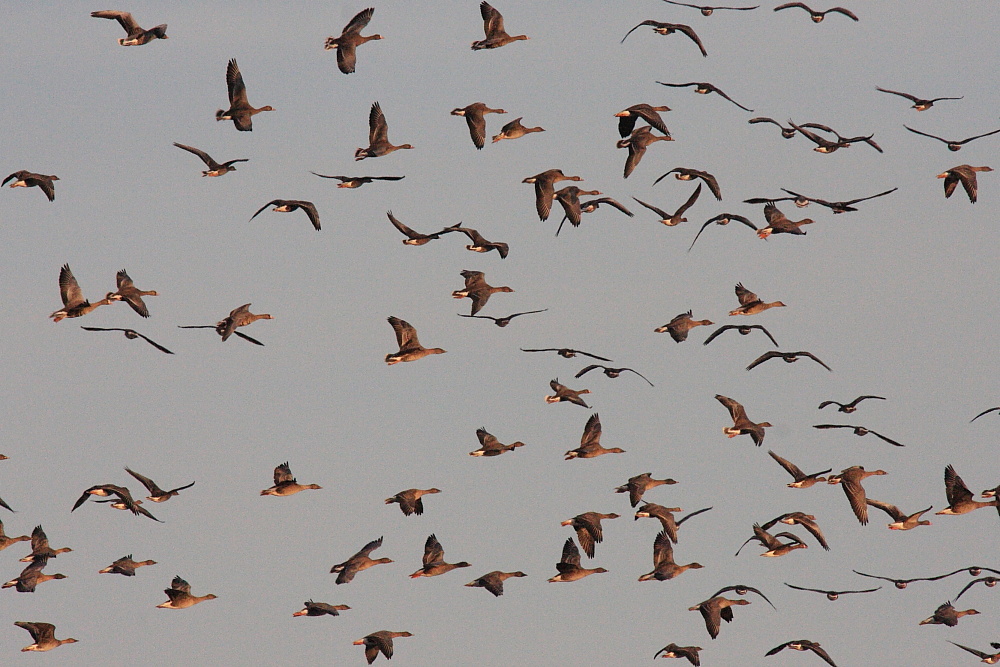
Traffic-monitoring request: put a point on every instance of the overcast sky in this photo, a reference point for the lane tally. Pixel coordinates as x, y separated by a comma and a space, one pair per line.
899, 299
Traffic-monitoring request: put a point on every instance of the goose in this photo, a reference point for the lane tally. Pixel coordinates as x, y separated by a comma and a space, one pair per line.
74, 305
289, 205
966, 175
569, 568
493, 581
349, 40
240, 111
157, 495
473, 114
43, 635
179, 595
135, 35
590, 443
433, 560
130, 294
588, 529
27, 179
544, 183
496, 36
741, 423
320, 609
664, 567
704, 88
410, 500
636, 486
358, 562
490, 446
627, 118
817, 17
952, 144
214, 168
681, 325
743, 329
564, 393
285, 484
685, 174
477, 289
131, 334
918, 103
848, 408
804, 645
351, 182
378, 136
380, 641
832, 595
668, 29
126, 566
410, 348
515, 130
675, 218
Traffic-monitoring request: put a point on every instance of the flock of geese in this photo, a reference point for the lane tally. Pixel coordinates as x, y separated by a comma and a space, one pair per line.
640, 126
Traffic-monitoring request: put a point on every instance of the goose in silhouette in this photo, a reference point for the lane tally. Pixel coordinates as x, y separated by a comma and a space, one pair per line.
636, 143
900, 583
802, 480
157, 495
966, 175
349, 40
704, 88
135, 34
433, 560
74, 305
503, 321
859, 431
588, 529
410, 500
665, 515
567, 352
285, 483
352, 182
786, 132
918, 103
496, 36
668, 29
27, 179
685, 174
378, 136
410, 348
220, 328
985, 412
611, 372
515, 130
743, 329
564, 393
590, 443
545, 189
130, 294
900, 520
838, 206
240, 111
741, 423
675, 218
817, 17
214, 168
773, 546
380, 641
289, 205
832, 595
850, 479
490, 446
180, 597
988, 658
131, 334
946, 614
960, 500
706, 10
823, 145
474, 117
358, 562
804, 644
848, 408
664, 566
493, 581
592, 205
672, 650
627, 118
953, 145
636, 486
569, 568
715, 610
320, 609
680, 326
787, 357
990, 582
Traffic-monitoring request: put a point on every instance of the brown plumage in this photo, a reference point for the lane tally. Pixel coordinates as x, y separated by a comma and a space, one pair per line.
664, 567
349, 40
627, 118
569, 568
380, 641
960, 500
410, 500
433, 560
285, 483
685, 174
639, 484
850, 479
493, 581
179, 596
27, 179
715, 610
665, 515
741, 423
130, 294
378, 136
675, 218
125, 566
515, 130
545, 189
320, 609
214, 168
588, 529
410, 348
490, 446
477, 289
802, 480
564, 393
817, 17
946, 614
590, 443
966, 175
74, 305
750, 304
679, 327
289, 205
704, 88
135, 34
496, 36
358, 562
43, 634
238, 317
240, 111
474, 117
668, 29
